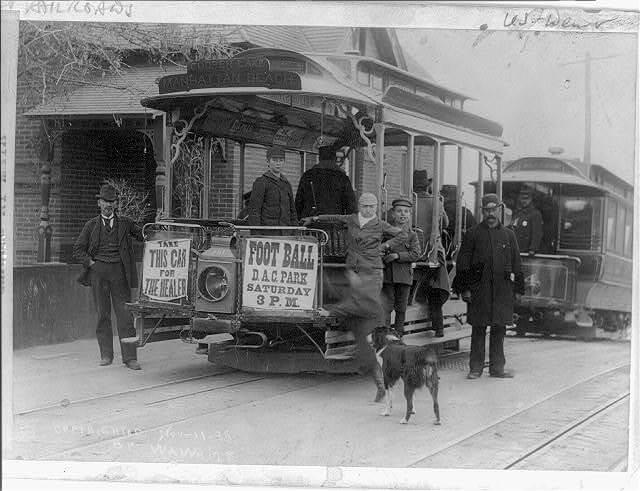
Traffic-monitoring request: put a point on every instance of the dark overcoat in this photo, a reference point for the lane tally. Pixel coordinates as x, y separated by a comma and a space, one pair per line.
489, 265
271, 202
400, 270
325, 189
527, 224
88, 242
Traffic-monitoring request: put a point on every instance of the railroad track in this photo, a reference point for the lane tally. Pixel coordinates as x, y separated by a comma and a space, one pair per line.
578, 419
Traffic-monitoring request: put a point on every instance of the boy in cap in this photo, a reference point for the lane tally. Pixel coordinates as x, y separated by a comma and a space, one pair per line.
271, 202
527, 223
105, 249
489, 277
325, 188
398, 273
361, 310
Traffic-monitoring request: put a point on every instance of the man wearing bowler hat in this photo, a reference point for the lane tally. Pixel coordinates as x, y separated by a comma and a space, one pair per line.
489, 277
105, 249
271, 200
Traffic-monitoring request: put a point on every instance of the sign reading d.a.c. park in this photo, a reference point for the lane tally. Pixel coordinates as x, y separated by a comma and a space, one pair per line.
165, 269
279, 273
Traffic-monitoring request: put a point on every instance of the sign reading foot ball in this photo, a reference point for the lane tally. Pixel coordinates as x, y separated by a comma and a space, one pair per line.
165, 269
280, 273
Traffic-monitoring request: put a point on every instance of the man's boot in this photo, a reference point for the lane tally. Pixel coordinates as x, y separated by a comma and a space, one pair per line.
378, 378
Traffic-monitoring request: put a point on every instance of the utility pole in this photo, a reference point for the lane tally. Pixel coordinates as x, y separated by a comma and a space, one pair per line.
587, 100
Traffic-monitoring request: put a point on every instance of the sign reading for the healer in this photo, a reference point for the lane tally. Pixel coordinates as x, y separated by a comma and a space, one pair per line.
280, 273
165, 270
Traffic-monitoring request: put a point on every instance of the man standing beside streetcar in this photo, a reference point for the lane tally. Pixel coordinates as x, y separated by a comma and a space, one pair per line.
489, 277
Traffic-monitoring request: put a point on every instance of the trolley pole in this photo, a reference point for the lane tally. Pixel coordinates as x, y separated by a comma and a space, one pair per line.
480, 187
587, 99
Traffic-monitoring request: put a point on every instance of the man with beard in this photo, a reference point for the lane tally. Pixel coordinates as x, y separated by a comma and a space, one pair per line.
489, 277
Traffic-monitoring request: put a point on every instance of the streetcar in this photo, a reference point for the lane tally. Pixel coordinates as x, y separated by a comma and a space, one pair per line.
235, 288
581, 278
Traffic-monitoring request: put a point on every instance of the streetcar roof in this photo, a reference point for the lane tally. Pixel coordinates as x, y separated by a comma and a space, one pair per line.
337, 79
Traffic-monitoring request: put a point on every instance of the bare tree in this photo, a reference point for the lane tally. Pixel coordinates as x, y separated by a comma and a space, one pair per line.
56, 57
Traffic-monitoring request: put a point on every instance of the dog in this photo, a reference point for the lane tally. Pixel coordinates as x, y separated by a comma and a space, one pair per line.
415, 365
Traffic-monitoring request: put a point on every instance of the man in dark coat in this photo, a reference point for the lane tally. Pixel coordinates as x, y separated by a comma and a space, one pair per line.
105, 249
271, 202
527, 223
325, 188
361, 310
436, 280
398, 273
489, 273
449, 193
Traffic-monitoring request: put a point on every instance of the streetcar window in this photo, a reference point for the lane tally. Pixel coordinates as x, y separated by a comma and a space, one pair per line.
579, 223
620, 221
363, 76
628, 233
612, 212
376, 81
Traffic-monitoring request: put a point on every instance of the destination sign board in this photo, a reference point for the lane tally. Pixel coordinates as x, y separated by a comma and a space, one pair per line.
241, 72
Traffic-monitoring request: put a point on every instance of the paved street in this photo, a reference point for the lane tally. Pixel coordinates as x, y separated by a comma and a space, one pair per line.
181, 408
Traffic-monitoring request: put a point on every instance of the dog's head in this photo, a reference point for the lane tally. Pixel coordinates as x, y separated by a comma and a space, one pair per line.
383, 335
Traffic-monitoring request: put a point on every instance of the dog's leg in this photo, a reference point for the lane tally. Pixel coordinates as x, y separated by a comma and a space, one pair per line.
408, 394
432, 384
388, 401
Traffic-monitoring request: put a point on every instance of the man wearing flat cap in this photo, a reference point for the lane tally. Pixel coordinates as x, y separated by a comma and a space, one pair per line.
489, 277
325, 188
105, 249
361, 309
271, 202
398, 273
527, 223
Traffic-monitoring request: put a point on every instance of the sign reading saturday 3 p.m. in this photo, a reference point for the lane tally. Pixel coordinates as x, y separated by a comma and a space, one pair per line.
165, 269
279, 273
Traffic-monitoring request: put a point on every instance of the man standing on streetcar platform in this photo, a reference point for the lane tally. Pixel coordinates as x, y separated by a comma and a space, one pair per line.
325, 188
271, 202
489, 277
527, 223
361, 308
105, 249
398, 273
